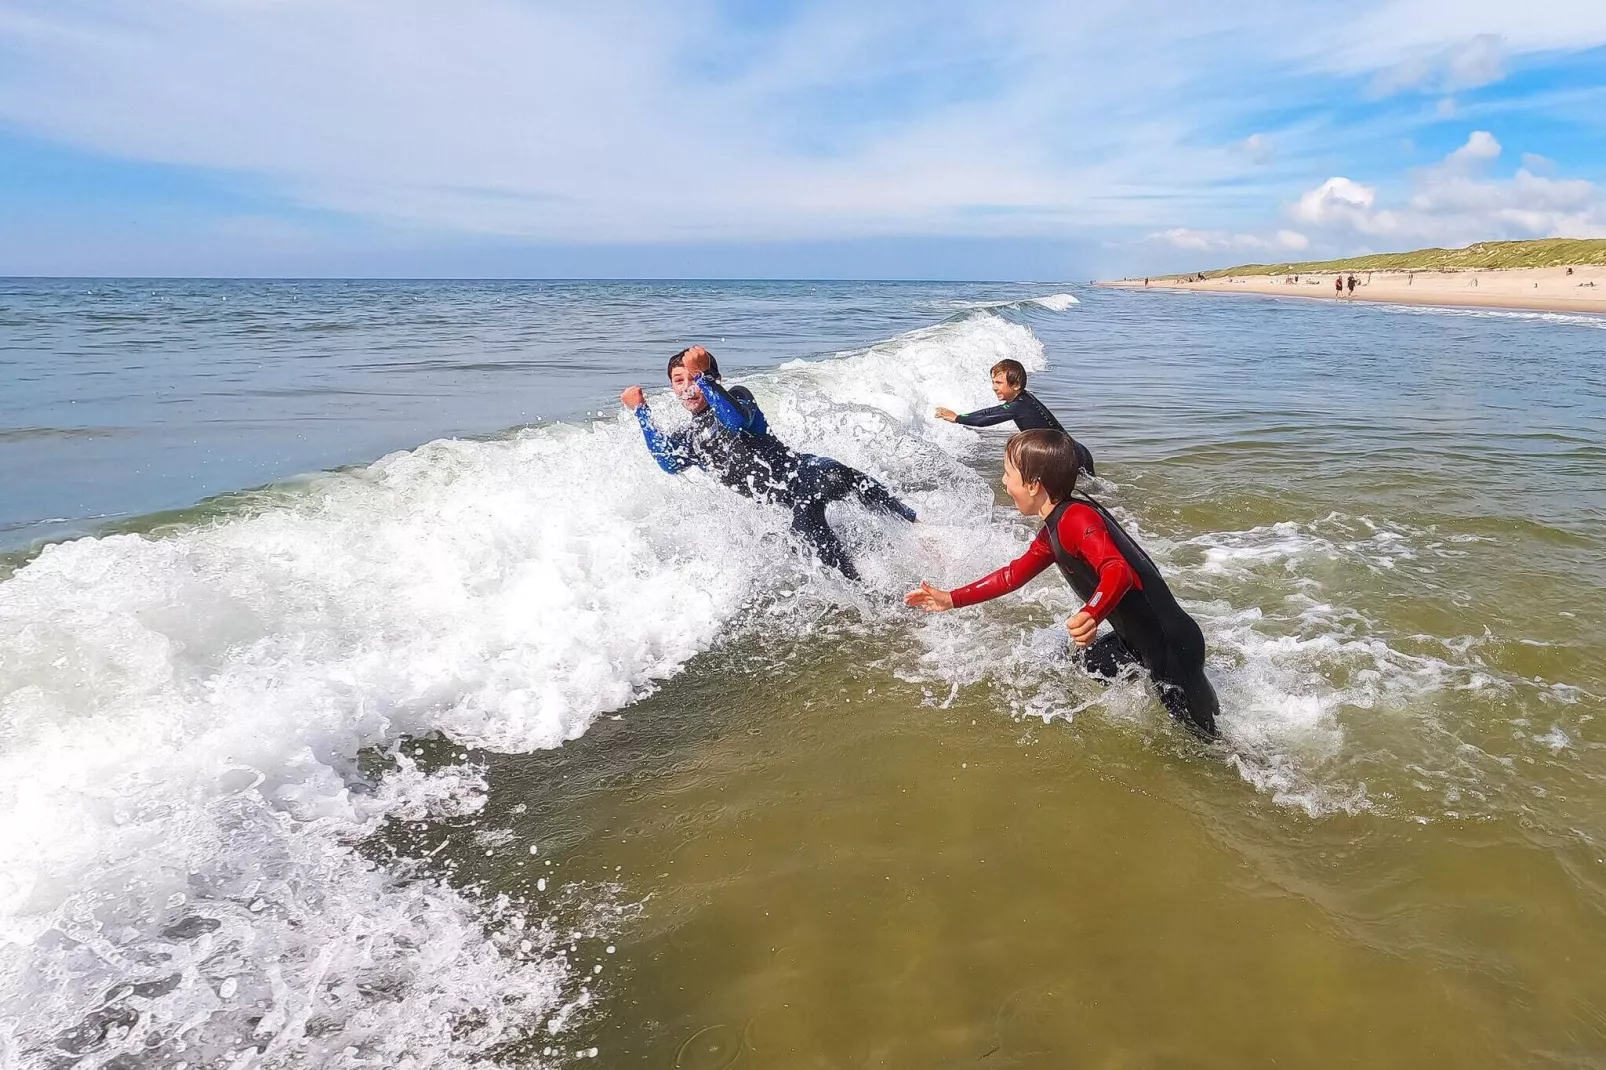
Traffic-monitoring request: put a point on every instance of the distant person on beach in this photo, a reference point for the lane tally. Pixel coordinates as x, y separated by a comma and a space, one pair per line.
1107, 569
1352, 285
729, 436
1019, 405
1338, 286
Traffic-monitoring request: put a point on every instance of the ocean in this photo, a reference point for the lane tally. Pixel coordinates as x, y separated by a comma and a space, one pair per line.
369, 697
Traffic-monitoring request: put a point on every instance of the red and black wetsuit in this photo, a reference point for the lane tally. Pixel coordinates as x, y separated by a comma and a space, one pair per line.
1119, 583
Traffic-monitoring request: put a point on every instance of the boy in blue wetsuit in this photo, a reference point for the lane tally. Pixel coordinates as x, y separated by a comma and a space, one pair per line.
1018, 404
730, 438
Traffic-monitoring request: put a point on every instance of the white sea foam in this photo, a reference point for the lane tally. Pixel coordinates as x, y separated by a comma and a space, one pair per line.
1571, 319
1052, 302
1289, 674
181, 803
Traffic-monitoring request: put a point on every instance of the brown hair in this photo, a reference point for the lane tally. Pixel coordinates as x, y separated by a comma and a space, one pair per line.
1045, 456
1014, 373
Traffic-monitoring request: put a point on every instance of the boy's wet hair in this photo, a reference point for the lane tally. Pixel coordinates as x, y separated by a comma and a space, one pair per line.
1045, 456
679, 360
1014, 373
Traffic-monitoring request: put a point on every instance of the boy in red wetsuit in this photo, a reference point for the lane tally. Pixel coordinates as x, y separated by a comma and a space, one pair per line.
1108, 570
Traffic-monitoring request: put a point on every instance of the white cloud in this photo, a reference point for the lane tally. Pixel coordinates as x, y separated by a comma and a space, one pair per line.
618, 121
1341, 202
1257, 147
1450, 204
1481, 145
1223, 241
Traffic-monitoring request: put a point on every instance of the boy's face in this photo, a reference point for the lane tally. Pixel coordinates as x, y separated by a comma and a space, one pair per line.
1028, 497
1002, 390
685, 388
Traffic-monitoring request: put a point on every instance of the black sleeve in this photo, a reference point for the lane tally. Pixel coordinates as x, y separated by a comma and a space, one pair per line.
987, 417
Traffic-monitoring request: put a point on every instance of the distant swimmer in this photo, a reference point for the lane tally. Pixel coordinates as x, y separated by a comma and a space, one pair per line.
1107, 569
729, 437
1020, 405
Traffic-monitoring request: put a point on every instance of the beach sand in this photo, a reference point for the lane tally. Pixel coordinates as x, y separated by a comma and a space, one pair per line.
1544, 289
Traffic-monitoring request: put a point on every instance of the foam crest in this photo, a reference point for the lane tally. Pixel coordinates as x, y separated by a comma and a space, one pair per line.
182, 802
1570, 319
1059, 302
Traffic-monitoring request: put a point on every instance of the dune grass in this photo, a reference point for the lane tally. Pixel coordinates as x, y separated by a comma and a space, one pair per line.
1545, 252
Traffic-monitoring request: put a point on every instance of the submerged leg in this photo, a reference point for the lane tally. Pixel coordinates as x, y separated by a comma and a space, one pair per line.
808, 521
1107, 656
1192, 702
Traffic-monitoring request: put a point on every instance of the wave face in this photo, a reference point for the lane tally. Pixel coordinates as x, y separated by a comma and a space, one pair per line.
183, 804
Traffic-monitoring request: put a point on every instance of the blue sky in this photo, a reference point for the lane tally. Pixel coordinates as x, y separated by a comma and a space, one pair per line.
1017, 140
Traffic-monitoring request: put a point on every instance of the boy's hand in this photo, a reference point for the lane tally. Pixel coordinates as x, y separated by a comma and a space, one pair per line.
947, 414
929, 598
1082, 628
695, 361
633, 398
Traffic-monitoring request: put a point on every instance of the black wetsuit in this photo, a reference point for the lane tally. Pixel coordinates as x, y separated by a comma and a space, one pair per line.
1150, 628
1029, 414
731, 439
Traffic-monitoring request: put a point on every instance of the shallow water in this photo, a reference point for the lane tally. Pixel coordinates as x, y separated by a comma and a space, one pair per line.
375, 767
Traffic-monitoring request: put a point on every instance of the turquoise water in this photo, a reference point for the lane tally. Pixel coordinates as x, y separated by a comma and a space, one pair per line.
401, 712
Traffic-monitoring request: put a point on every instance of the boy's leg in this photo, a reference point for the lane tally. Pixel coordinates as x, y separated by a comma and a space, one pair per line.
874, 495
1193, 703
1107, 656
831, 480
808, 521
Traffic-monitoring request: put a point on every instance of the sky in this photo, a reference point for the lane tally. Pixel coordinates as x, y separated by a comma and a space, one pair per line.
923, 139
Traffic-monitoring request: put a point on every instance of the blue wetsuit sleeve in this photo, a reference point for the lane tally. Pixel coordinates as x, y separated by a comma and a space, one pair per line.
668, 450
987, 417
736, 410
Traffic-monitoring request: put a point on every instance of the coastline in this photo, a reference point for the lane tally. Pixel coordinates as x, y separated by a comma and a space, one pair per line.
1530, 289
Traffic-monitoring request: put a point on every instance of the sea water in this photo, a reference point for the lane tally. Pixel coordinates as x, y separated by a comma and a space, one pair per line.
368, 697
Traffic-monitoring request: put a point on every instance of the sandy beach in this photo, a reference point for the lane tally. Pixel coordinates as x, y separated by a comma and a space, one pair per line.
1541, 289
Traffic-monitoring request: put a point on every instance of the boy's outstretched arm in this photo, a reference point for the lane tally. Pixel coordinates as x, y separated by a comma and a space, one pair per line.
987, 417
668, 450
929, 598
1011, 577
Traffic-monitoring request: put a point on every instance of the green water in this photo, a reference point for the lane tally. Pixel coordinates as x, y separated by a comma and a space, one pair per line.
840, 876
837, 871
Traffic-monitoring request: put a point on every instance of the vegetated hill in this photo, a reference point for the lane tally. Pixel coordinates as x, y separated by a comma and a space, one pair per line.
1544, 252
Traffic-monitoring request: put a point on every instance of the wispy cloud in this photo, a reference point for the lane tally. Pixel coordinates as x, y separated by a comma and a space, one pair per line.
1468, 64
1224, 241
699, 122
